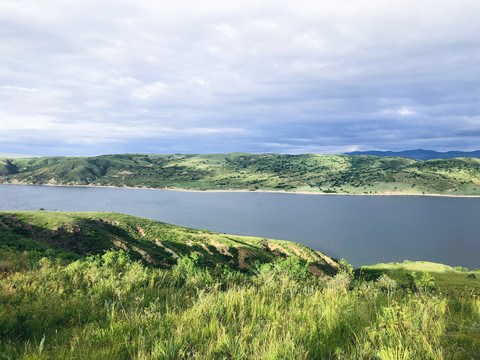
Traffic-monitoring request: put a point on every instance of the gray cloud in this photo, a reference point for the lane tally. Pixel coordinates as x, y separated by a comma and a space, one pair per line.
86, 77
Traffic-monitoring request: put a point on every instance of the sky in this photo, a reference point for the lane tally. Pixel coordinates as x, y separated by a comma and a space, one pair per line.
97, 77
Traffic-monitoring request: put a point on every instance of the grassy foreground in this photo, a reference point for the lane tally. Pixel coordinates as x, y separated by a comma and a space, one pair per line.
109, 307
58, 302
239, 171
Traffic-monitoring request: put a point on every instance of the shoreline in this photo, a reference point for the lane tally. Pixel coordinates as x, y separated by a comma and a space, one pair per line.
245, 190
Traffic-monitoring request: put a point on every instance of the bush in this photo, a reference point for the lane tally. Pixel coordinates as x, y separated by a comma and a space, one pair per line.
283, 270
426, 282
386, 284
340, 281
187, 271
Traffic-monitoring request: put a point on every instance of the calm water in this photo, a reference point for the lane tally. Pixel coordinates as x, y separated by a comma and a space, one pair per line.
362, 229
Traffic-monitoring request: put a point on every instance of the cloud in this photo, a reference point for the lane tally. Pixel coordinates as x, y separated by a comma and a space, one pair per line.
405, 111
148, 76
147, 91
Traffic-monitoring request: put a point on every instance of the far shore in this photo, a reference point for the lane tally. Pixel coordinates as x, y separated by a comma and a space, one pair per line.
385, 193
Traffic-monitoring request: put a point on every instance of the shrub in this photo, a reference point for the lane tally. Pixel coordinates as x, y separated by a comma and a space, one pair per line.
188, 271
341, 281
426, 282
281, 271
386, 284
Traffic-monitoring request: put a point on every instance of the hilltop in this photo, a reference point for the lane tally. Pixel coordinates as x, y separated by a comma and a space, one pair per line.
74, 235
345, 174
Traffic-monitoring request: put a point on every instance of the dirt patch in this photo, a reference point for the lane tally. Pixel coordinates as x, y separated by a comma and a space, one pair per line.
68, 229
146, 256
107, 221
190, 243
221, 248
327, 260
297, 251
140, 230
315, 270
243, 254
275, 247
119, 244
170, 251
271, 247
204, 247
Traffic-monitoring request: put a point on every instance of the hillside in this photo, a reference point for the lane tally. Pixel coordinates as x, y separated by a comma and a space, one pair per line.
446, 277
137, 300
239, 171
72, 235
420, 154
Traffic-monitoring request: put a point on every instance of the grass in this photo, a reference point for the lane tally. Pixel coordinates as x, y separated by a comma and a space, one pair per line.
68, 292
110, 307
308, 173
447, 278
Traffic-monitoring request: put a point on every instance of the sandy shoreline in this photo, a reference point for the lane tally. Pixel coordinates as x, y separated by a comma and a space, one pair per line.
246, 191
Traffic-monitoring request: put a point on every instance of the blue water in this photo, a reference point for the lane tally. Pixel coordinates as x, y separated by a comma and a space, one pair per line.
362, 229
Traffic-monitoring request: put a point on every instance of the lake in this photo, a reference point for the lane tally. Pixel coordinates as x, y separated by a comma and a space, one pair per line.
362, 229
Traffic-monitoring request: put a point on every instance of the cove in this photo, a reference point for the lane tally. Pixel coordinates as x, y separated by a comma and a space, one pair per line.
362, 229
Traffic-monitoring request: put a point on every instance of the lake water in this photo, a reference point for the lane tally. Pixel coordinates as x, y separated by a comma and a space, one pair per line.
362, 229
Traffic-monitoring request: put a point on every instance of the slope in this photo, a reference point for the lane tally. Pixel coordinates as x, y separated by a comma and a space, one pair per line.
71, 235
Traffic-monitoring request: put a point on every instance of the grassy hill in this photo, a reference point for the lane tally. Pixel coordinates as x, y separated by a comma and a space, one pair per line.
112, 286
447, 278
307, 173
72, 235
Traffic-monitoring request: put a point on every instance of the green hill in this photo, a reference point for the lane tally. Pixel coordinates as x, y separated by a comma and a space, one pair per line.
447, 278
240, 171
72, 235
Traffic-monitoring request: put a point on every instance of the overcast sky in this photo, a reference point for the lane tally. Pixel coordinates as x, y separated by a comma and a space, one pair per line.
94, 77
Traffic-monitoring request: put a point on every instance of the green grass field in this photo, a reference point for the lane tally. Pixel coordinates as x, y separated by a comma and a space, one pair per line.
112, 286
240, 171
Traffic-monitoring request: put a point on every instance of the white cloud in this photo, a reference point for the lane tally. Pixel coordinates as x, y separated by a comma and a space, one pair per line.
17, 88
146, 91
405, 111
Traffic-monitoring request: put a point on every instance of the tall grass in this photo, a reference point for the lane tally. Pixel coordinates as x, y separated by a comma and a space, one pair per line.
110, 307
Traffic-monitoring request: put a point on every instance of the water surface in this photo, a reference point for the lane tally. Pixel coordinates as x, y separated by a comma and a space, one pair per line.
362, 229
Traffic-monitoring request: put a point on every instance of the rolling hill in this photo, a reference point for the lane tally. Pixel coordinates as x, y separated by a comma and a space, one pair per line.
75, 235
239, 171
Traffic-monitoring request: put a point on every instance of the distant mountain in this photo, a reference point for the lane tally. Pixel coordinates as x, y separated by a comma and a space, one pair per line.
420, 154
